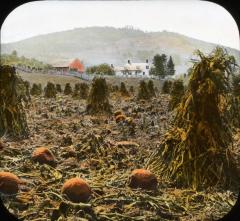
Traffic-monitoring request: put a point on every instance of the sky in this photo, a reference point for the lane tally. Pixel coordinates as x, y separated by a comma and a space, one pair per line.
202, 20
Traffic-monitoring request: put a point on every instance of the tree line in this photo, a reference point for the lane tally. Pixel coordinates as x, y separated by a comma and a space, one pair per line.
163, 66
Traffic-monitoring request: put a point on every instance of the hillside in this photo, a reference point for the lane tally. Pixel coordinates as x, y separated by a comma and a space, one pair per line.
96, 45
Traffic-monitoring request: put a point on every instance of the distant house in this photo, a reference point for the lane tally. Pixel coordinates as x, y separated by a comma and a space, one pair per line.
133, 69
61, 67
65, 67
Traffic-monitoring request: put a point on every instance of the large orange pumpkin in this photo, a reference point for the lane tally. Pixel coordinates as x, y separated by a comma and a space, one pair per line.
77, 190
9, 183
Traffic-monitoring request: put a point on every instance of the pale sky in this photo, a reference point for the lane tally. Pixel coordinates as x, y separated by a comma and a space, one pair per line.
198, 19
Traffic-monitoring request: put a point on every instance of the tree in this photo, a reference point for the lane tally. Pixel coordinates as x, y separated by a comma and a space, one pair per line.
170, 67
103, 69
159, 62
14, 53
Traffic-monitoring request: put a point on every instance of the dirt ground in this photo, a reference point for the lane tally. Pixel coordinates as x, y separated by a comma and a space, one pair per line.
90, 147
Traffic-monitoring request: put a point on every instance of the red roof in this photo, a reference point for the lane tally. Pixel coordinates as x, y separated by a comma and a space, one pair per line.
77, 65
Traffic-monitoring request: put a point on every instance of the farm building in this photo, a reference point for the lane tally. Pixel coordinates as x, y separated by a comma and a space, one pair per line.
64, 67
133, 69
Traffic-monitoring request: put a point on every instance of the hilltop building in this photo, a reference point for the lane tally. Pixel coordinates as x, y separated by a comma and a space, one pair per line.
133, 69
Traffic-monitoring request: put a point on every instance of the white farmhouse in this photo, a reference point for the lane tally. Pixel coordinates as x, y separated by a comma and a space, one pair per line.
133, 69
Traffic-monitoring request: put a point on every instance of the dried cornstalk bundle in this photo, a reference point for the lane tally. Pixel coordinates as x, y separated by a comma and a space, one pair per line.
36, 89
143, 92
98, 97
59, 88
50, 90
196, 151
236, 84
84, 90
151, 89
123, 89
167, 86
27, 96
67, 89
177, 92
12, 92
76, 91
233, 110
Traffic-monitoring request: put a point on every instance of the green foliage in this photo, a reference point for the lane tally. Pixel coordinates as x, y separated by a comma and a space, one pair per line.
22, 61
159, 62
98, 97
50, 90
151, 89
143, 92
12, 92
167, 87
176, 93
102, 69
123, 89
36, 89
67, 89
170, 67
162, 66
195, 151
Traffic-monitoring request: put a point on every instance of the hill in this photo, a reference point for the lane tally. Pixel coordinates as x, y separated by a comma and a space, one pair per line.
96, 45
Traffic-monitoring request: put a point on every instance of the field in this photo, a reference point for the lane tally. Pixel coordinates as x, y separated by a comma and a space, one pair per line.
103, 153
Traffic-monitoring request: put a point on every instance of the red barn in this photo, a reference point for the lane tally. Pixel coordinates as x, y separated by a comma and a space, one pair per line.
77, 66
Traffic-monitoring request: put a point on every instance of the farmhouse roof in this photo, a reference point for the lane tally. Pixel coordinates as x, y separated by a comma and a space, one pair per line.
76, 64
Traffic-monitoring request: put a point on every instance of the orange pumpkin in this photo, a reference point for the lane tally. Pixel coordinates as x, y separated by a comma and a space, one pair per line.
77, 190
43, 155
118, 112
9, 183
141, 178
120, 118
